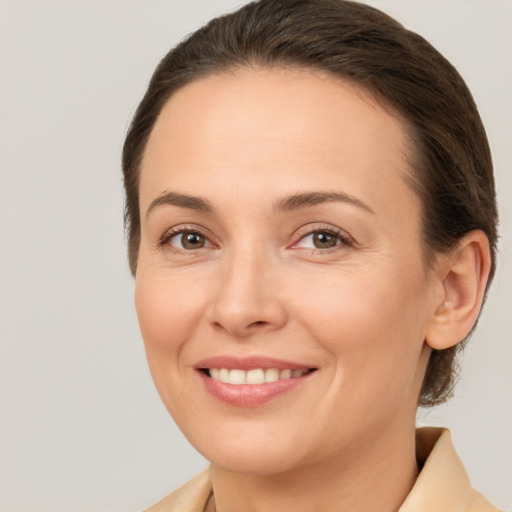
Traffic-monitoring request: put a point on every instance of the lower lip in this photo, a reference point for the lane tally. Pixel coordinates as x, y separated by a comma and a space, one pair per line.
250, 395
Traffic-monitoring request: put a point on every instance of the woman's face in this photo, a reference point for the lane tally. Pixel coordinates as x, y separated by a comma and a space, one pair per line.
281, 241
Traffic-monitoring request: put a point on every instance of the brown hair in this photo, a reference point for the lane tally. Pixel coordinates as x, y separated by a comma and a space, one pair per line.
451, 162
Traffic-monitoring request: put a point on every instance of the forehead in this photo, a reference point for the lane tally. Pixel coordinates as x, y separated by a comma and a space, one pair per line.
286, 126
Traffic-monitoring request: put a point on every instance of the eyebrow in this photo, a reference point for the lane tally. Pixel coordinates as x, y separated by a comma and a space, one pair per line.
182, 200
290, 203
308, 199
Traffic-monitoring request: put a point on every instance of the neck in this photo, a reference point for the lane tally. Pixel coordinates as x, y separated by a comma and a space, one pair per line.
377, 475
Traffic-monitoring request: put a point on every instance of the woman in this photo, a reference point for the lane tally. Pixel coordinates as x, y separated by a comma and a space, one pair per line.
312, 228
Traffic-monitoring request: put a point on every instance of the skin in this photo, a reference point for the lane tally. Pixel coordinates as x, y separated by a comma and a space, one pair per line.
359, 312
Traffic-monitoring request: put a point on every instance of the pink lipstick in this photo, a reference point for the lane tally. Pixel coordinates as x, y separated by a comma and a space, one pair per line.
250, 381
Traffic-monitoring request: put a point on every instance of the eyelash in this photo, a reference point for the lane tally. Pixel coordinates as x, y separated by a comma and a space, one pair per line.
181, 230
341, 236
343, 239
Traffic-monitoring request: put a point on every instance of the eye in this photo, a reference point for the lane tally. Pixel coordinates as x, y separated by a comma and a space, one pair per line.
323, 239
186, 240
320, 240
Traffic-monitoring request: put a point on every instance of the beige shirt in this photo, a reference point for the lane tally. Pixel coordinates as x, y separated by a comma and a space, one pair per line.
442, 485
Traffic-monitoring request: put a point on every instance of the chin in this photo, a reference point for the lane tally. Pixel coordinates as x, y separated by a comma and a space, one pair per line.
249, 454
259, 464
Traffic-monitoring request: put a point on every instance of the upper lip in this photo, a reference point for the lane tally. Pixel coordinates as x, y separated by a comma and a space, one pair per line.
249, 363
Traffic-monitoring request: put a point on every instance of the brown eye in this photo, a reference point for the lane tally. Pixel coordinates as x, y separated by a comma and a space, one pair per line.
324, 240
188, 240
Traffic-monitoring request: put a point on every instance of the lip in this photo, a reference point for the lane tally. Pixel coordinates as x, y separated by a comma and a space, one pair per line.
249, 363
250, 395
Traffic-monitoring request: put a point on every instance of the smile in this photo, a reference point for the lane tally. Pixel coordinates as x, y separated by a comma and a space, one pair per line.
248, 382
254, 376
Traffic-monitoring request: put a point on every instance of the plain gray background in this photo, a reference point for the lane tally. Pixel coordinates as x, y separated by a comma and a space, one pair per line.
82, 428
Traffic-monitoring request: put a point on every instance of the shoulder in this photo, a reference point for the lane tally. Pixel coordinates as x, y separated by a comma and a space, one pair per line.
443, 484
190, 497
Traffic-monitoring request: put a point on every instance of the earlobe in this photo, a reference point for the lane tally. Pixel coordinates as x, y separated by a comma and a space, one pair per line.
464, 273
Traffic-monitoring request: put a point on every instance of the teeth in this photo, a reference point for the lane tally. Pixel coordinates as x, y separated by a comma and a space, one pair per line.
285, 374
237, 377
256, 376
271, 375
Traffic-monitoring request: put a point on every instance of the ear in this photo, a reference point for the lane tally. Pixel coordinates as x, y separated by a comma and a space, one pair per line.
463, 274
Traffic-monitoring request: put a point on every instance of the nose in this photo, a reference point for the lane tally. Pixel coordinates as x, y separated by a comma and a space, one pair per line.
247, 298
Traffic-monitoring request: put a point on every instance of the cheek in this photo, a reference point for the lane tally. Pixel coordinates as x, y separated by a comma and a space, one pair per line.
371, 326
167, 313
359, 305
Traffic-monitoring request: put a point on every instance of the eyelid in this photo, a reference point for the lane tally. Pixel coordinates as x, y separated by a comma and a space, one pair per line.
310, 229
343, 237
185, 228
